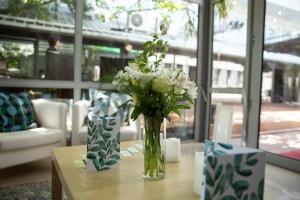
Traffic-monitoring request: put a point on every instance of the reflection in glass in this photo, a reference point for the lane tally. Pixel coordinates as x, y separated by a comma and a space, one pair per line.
118, 37
229, 52
36, 40
16, 59
280, 108
115, 31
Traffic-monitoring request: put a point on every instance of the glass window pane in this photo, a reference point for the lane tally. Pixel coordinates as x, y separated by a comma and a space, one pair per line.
280, 108
115, 32
229, 53
37, 40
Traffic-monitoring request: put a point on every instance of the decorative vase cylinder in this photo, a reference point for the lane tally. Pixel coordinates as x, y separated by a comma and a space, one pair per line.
154, 142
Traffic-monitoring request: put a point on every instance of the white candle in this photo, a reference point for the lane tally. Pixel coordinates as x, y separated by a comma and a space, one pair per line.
173, 150
198, 172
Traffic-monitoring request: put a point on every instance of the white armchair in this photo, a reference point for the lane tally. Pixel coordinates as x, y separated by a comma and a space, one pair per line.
33, 144
79, 130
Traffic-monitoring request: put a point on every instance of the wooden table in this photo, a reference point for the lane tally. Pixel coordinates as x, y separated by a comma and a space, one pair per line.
123, 181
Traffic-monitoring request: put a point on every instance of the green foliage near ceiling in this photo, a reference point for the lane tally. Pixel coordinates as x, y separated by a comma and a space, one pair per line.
40, 9
12, 54
223, 8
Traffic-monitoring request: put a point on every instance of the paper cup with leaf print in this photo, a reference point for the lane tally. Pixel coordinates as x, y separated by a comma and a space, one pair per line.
232, 172
103, 142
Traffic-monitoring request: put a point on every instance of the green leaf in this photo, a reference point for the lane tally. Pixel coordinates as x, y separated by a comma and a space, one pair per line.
229, 172
209, 180
250, 155
219, 153
110, 162
229, 197
245, 197
251, 162
253, 196
237, 162
91, 155
148, 43
245, 172
108, 144
182, 106
177, 112
209, 145
207, 195
221, 185
112, 122
102, 154
95, 148
218, 172
226, 146
118, 137
106, 136
135, 113
101, 144
260, 189
239, 187
239, 193
96, 164
115, 156
212, 161
88, 140
223, 182
105, 125
101, 161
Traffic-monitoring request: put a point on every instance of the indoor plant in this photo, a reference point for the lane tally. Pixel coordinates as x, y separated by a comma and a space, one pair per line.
155, 92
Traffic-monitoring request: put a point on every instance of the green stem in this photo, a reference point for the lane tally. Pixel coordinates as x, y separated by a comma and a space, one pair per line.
154, 158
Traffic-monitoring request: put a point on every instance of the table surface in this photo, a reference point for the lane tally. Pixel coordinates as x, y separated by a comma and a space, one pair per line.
125, 181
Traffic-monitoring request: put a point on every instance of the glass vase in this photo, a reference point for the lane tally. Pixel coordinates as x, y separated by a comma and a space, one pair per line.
154, 142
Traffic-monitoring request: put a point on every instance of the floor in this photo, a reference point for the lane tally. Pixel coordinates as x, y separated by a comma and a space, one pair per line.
281, 184
35, 171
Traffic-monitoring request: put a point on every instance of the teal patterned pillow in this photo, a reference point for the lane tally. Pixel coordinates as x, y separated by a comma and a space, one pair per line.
16, 112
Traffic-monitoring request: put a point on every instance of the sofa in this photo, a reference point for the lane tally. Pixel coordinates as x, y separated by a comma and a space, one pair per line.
79, 130
29, 145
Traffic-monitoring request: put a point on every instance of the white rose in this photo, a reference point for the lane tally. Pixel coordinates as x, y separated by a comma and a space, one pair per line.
161, 85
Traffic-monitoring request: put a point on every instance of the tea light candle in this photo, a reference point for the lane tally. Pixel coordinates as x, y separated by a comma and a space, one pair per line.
173, 150
198, 172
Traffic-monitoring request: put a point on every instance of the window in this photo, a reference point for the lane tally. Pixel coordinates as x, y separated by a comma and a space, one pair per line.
228, 61
280, 110
109, 43
36, 40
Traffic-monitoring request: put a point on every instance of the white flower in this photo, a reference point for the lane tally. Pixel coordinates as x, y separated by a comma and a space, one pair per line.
121, 79
191, 89
161, 84
133, 66
145, 77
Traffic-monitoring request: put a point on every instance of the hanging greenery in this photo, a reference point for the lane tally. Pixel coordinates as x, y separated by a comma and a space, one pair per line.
223, 8
39, 9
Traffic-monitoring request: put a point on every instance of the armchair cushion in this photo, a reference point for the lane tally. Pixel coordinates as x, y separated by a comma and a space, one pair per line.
50, 114
16, 112
30, 138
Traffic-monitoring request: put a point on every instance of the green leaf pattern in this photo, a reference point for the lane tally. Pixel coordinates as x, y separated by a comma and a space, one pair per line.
228, 175
103, 142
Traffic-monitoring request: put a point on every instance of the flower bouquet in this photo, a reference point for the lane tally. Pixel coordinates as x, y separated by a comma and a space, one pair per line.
156, 92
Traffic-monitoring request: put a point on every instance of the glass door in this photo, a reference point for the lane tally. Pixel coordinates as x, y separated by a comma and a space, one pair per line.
228, 58
280, 92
